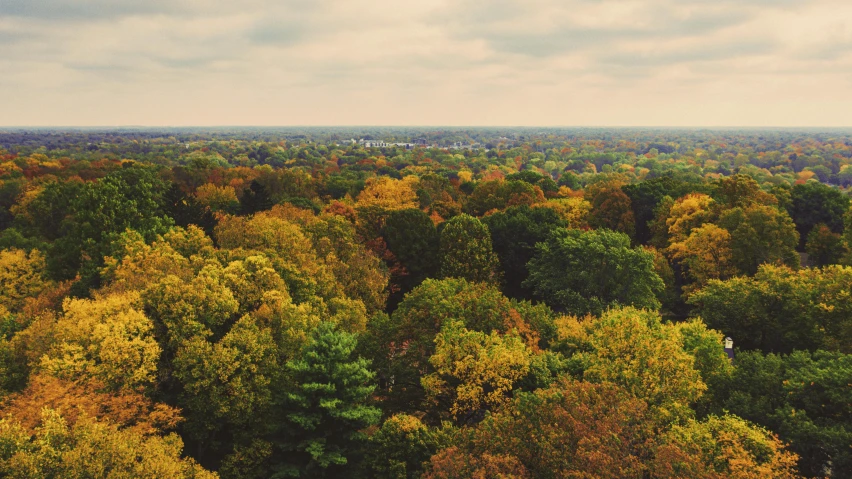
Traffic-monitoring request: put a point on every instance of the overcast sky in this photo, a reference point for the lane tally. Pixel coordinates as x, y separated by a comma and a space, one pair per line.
426, 62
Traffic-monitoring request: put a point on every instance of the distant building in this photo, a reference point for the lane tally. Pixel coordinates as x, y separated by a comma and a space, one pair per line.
372, 143
383, 144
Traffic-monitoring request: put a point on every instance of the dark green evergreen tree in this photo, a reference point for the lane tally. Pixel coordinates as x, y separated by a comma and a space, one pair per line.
813, 203
327, 406
412, 238
514, 234
466, 250
255, 198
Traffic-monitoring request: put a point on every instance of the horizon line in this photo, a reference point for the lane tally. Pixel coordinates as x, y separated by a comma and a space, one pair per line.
709, 127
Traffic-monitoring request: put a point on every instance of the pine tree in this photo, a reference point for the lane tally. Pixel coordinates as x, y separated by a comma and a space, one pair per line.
328, 404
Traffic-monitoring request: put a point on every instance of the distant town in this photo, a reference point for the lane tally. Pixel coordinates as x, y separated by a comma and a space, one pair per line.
419, 142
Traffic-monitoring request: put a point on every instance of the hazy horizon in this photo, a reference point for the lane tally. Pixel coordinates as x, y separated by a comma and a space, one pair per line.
326, 63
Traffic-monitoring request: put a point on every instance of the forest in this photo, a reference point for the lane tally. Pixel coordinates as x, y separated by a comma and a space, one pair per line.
544, 303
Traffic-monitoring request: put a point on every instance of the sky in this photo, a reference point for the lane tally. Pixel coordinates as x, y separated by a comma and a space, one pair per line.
426, 62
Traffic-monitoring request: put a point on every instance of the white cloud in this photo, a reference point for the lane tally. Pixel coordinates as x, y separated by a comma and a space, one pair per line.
509, 62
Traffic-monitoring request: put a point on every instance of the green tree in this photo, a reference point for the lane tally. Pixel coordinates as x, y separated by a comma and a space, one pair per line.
328, 407
227, 386
813, 203
45, 215
760, 234
825, 247
400, 448
412, 238
466, 250
646, 195
589, 271
186, 210
780, 310
803, 397
255, 198
514, 234
129, 198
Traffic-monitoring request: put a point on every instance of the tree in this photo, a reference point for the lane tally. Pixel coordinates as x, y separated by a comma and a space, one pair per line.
255, 198
85, 399
360, 273
514, 234
218, 198
573, 429
722, 447
184, 310
637, 351
587, 272
706, 254
646, 195
287, 247
107, 339
803, 397
46, 214
474, 371
412, 238
401, 448
327, 408
740, 191
760, 234
611, 209
780, 310
401, 346
574, 211
466, 250
185, 210
129, 198
389, 194
20, 277
499, 194
813, 203
688, 213
91, 448
227, 385
825, 247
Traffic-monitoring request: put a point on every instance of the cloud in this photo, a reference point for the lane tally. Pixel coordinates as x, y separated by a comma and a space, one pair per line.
425, 62
73, 10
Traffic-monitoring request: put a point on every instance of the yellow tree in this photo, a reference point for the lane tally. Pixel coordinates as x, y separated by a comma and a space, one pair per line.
474, 371
634, 349
688, 213
575, 211
90, 448
108, 339
389, 193
724, 447
218, 198
20, 277
706, 254
287, 247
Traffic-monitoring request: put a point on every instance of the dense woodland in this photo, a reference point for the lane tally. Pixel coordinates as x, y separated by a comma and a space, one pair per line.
284, 303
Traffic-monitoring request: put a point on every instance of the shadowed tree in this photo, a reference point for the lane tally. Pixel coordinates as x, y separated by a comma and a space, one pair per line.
466, 250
